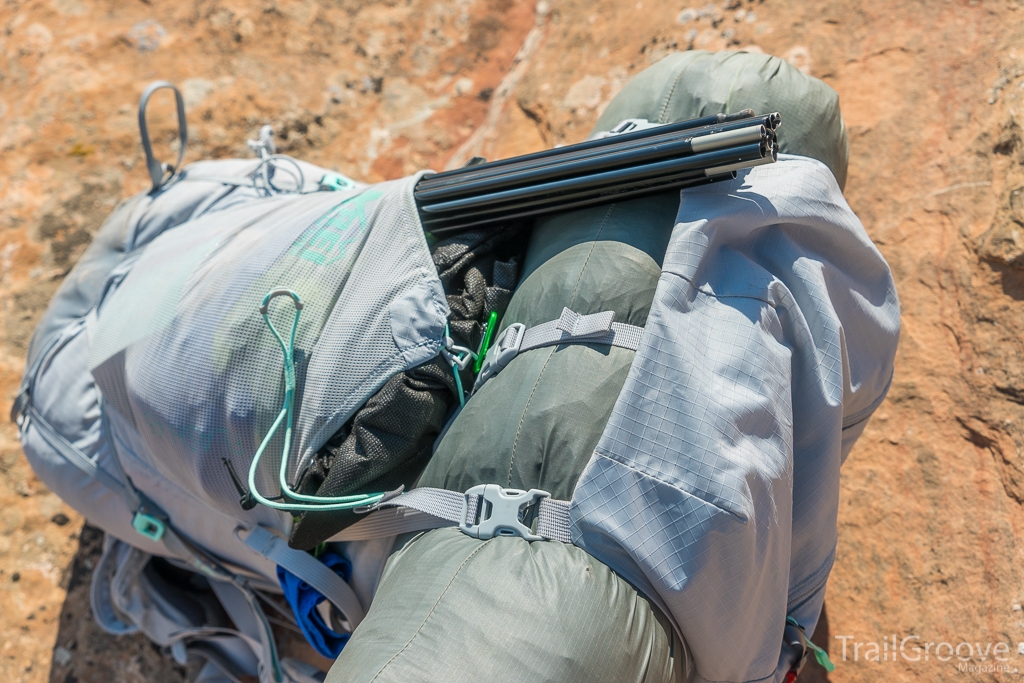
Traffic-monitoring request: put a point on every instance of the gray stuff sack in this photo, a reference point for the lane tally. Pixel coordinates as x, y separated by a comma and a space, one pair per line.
714, 487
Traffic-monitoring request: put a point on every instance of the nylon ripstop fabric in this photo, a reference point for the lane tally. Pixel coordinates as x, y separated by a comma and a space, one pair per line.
756, 375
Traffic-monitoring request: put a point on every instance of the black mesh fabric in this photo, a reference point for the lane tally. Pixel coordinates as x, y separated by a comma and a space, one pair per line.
388, 441
462, 262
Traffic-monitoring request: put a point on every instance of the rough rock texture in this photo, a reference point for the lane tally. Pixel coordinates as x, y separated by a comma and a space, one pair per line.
933, 95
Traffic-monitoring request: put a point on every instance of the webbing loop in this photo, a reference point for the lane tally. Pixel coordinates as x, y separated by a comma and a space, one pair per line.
160, 173
569, 328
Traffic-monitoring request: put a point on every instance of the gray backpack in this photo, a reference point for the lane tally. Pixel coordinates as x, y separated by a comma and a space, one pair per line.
152, 370
712, 488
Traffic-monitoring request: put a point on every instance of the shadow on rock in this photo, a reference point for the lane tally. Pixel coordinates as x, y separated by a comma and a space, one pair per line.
814, 672
83, 653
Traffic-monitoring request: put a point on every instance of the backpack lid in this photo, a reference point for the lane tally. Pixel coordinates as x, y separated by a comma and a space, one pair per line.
181, 353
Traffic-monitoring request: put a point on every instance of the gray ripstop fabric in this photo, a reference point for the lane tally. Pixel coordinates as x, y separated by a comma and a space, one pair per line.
715, 486
455, 609
685, 85
201, 188
58, 388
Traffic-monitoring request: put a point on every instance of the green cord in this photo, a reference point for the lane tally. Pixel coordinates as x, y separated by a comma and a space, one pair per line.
485, 343
319, 503
458, 385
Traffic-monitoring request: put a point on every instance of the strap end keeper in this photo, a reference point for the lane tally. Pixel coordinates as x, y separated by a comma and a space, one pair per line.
389, 495
505, 348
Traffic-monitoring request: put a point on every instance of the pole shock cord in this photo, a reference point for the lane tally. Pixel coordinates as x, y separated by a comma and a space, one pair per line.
305, 502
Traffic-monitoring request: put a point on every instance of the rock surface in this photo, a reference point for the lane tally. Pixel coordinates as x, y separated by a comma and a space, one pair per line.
933, 96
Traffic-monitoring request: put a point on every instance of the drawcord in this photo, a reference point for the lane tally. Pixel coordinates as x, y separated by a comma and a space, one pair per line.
321, 503
272, 163
263, 176
459, 357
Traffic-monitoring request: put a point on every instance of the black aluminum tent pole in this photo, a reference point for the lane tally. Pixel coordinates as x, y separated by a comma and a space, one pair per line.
734, 155
666, 128
441, 228
583, 150
637, 156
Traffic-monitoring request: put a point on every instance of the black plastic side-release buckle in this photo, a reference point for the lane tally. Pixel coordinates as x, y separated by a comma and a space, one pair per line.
793, 639
18, 408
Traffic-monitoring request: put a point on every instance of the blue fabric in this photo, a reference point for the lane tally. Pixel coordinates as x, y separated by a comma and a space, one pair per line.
303, 599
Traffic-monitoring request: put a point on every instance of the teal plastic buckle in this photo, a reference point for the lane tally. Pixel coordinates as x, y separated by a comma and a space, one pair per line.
336, 182
148, 526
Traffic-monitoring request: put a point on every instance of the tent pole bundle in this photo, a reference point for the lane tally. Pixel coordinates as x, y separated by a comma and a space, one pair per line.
620, 166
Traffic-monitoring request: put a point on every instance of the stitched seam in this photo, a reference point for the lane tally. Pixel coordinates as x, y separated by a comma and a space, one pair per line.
655, 478
668, 98
593, 246
866, 413
812, 583
522, 418
698, 288
728, 99
572, 301
431, 612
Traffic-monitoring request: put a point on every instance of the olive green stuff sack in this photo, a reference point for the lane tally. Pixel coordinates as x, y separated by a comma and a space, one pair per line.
451, 608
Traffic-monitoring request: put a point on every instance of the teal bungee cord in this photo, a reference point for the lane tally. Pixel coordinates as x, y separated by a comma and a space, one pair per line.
459, 360
317, 503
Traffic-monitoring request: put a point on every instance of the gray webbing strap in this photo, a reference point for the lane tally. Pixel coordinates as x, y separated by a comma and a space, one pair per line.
428, 508
158, 171
387, 522
310, 570
440, 503
553, 520
570, 328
